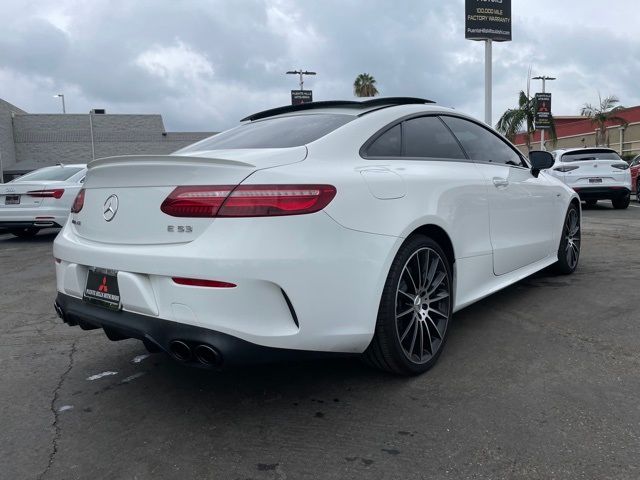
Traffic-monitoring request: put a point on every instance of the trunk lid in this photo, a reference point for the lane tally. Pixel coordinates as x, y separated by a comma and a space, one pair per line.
594, 173
9, 191
137, 185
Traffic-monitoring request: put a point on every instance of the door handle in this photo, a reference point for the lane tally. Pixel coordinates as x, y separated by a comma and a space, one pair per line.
500, 182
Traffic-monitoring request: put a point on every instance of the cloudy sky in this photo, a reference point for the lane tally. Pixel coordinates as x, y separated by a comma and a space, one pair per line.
205, 64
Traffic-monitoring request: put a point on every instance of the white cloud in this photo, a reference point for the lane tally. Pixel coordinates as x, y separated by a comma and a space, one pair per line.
204, 65
176, 63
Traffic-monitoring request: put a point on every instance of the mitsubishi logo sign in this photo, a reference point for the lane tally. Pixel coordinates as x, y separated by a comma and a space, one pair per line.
110, 208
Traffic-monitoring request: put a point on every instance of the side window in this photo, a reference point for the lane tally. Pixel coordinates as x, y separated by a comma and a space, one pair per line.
428, 137
482, 145
389, 144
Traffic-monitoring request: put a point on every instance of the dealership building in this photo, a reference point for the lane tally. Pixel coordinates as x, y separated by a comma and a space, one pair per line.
30, 141
577, 132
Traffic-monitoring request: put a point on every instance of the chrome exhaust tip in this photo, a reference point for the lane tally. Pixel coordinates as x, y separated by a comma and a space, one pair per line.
207, 355
180, 350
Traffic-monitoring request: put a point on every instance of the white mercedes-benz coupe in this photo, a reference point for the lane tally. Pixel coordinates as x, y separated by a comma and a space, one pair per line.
328, 227
39, 199
595, 174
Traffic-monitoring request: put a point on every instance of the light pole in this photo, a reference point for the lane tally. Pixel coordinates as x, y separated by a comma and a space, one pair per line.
301, 73
487, 81
64, 109
544, 79
93, 146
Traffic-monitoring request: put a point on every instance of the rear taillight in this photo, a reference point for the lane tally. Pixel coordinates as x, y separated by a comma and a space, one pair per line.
55, 193
196, 200
566, 168
78, 203
620, 166
273, 200
247, 200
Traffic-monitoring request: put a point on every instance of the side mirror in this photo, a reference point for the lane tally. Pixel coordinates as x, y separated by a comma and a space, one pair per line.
540, 160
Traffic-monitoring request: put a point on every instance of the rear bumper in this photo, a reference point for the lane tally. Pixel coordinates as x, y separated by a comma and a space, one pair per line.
158, 334
302, 282
602, 193
38, 217
15, 225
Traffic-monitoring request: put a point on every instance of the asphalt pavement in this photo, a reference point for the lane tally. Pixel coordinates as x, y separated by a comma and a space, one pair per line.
539, 381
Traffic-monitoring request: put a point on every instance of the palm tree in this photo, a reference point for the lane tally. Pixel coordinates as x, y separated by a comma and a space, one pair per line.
365, 86
602, 114
514, 120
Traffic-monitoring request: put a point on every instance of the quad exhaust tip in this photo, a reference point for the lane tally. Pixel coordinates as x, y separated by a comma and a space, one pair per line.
207, 355
180, 350
201, 353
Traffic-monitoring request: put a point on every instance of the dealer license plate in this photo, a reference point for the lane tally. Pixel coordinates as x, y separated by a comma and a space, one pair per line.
102, 288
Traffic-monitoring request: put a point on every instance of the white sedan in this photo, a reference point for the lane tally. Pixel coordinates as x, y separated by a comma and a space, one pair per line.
39, 199
595, 174
330, 227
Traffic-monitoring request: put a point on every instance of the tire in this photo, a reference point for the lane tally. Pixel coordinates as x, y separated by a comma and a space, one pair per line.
415, 309
638, 191
621, 203
25, 232
591, 203
570, 242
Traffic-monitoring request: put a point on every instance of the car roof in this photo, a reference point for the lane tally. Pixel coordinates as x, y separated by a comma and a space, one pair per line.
352, 107
584, 149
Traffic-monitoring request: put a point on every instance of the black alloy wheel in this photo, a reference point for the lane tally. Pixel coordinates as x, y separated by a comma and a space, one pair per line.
415, 309
570, 242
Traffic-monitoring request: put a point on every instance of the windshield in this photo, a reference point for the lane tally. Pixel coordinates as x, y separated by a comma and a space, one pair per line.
581, 155
50, 174
281, 132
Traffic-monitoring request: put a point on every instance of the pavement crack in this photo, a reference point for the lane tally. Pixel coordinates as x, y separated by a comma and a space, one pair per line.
52, 406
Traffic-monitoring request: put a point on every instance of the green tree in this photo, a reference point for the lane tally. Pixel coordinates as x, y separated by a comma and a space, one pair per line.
522, 118
605, 112
365, 86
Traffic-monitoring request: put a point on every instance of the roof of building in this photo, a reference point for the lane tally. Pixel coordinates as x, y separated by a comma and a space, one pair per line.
574, 126
4, 105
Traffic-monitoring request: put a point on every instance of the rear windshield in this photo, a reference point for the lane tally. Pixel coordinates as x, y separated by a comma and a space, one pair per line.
590, 155
282, 132
50, 174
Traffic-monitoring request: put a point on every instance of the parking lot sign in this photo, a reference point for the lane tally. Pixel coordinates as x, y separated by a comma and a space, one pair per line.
543, 111
301, 96
488, 20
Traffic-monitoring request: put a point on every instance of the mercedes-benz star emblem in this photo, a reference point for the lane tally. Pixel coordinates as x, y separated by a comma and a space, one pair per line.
110, 208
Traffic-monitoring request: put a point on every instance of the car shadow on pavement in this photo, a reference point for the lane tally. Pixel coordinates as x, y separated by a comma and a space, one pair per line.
297, 376
46, 236
290, 381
